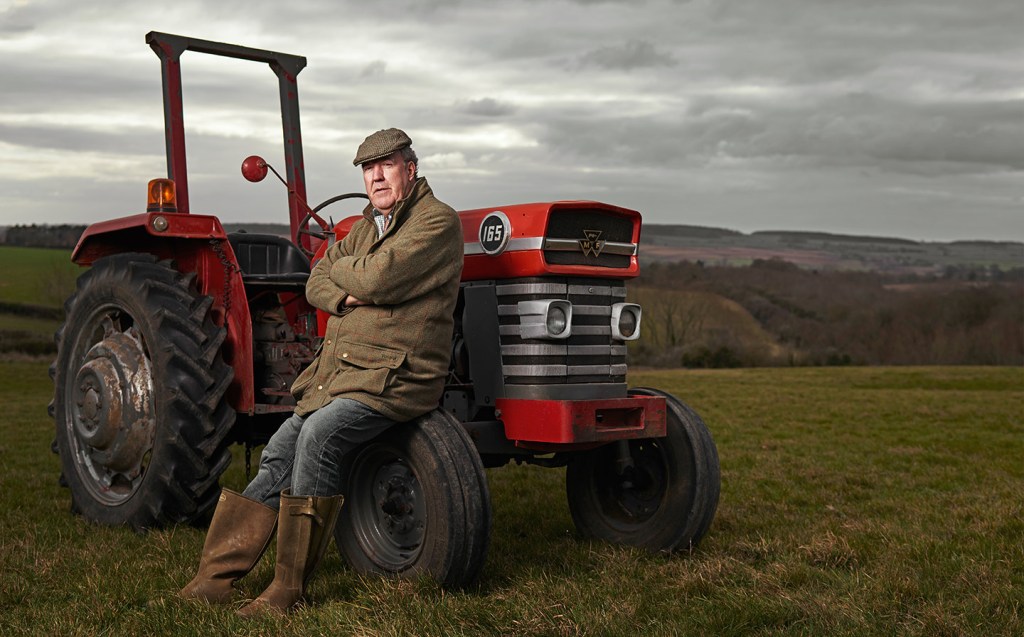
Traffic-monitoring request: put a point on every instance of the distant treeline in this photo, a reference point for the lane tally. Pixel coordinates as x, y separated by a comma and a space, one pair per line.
828, 236
43, 236
965, 317
66, 235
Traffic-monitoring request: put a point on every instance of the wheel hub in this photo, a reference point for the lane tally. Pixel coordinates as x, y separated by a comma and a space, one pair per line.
112, 415
635, 494
397, 501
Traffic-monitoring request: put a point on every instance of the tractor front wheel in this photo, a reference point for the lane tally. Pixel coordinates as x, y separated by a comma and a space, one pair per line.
656, 493
139, 386
416, 503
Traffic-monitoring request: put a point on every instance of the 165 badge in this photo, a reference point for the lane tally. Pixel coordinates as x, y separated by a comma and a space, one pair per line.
494, 233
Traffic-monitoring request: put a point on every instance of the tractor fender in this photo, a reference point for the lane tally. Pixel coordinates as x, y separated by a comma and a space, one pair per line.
198, 245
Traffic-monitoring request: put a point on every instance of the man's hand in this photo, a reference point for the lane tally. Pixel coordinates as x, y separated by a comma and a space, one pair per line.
351, 301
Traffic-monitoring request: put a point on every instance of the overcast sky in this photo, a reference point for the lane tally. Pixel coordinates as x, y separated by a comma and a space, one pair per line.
898, 118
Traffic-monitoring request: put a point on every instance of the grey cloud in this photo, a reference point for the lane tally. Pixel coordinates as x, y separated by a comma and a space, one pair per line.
853, 130
626, 57
129, 142
42, 85
486, 107
19, 19
377, 67
639, 103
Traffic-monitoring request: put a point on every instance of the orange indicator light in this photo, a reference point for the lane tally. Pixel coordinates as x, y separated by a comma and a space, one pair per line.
161, 196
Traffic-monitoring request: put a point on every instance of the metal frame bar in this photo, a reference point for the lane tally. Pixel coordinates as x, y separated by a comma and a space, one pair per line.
286, 67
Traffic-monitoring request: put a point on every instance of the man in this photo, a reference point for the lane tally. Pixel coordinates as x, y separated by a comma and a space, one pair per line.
390, 287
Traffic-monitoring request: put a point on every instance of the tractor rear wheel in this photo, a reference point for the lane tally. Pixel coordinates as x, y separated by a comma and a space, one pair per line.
139, 385
656, 493
417, 503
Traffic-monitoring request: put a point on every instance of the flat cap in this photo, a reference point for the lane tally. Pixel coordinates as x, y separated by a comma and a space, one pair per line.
381, 144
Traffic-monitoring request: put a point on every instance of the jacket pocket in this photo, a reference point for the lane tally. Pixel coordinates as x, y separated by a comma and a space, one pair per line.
304, 379
364, 368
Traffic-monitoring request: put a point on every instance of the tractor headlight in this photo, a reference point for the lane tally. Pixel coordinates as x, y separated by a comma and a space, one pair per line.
557, 320
551, 318
626, 321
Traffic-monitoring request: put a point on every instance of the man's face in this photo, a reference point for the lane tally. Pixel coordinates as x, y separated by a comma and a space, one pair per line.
388, 180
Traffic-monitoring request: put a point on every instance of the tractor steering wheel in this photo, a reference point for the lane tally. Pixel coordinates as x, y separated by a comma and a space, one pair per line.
324, 226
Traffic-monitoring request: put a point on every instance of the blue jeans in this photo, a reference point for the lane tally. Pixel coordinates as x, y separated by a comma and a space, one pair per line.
306, 452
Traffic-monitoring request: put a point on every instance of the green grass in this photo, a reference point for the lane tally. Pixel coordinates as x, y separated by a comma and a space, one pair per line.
855, 501
13, 323
36, 276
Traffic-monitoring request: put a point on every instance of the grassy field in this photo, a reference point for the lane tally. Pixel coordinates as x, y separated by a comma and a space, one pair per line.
37, 276
855, 501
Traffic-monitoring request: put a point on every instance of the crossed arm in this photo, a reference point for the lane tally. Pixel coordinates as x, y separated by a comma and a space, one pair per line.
424, 254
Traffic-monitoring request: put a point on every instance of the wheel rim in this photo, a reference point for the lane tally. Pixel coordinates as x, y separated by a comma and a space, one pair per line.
389, 519
633, 496
109, 405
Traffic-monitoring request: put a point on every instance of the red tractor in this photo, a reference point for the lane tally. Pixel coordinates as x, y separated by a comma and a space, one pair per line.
182, 339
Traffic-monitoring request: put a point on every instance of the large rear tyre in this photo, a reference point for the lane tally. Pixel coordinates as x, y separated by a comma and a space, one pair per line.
417, 503
139, 385
662, 497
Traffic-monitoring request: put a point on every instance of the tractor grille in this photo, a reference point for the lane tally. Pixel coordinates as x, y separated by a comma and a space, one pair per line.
569, 230
589, 355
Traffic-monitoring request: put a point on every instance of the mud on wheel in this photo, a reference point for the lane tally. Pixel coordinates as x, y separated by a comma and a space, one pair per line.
658, 493
417, 503
139, 387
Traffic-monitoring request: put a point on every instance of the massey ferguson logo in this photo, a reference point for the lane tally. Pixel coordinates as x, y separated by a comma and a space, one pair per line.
591, 244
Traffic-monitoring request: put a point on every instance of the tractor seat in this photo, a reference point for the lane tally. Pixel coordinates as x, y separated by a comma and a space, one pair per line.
269, 261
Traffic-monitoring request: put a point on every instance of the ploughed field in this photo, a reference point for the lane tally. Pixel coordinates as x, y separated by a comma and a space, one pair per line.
855, 501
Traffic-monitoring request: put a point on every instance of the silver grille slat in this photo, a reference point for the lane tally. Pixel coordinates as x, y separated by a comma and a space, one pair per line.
589, 355
591, 330
595, 350
533, 370
577, 330
597, 290
529, 288
590, 310
534, 350
573, 245
563, 350
563, 370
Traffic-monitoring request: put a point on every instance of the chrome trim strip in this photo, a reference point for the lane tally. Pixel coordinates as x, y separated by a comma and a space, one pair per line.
573, 245
514, 245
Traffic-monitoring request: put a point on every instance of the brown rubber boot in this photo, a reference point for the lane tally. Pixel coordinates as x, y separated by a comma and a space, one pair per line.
239, 534
305, 527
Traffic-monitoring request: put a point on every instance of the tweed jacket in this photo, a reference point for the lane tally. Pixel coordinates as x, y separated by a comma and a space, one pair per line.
393, 354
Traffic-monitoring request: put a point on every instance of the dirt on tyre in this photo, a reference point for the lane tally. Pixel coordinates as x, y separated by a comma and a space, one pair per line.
417, 503
139, 395
663, 499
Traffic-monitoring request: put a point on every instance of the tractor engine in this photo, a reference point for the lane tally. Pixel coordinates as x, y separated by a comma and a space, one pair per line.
278, 358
